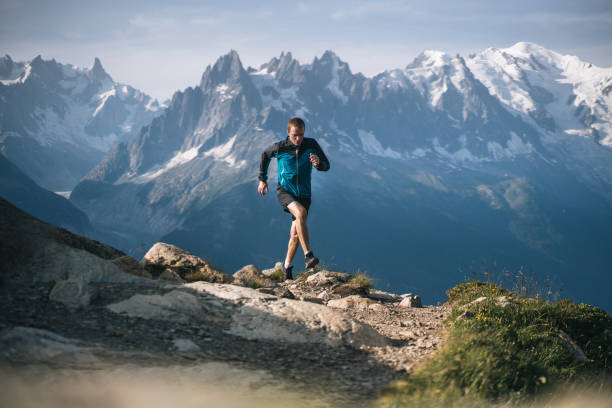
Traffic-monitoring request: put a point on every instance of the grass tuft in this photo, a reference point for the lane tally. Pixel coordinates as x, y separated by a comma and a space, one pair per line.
277, 276
361, 279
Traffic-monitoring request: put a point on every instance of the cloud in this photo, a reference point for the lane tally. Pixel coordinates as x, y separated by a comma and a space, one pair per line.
205, 21
149, 22
362, 10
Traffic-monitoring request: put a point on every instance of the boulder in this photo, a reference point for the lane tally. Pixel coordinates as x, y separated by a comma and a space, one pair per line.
251, 277
54, 261
277, 267
351, 302
383, 296
73, 293
164, 257
130, 265
327, 278
411, 301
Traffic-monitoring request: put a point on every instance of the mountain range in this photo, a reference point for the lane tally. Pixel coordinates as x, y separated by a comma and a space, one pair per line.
497, 161
57, 121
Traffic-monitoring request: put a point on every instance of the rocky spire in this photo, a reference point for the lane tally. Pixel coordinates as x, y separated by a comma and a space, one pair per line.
97, 72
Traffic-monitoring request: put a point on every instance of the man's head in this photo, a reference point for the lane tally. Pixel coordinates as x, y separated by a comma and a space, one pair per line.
295, 130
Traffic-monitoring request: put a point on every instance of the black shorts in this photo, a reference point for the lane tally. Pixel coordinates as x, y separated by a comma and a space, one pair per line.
285, 198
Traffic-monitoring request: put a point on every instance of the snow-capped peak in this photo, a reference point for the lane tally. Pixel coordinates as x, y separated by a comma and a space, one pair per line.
555, 92
430, 59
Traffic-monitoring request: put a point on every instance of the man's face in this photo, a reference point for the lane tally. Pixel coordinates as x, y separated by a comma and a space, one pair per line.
296, 135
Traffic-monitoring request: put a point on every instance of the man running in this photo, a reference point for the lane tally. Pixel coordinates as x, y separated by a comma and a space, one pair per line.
296, 155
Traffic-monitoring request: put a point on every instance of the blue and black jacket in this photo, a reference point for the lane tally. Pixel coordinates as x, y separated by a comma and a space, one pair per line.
294, 166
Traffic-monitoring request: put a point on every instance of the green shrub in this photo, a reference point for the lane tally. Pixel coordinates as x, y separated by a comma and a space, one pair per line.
361, 279
257, 283
508, 351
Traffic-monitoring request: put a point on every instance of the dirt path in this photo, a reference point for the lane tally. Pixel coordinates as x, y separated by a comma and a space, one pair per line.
344, 376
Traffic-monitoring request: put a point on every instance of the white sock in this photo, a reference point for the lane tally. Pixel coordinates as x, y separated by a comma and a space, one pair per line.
287, 265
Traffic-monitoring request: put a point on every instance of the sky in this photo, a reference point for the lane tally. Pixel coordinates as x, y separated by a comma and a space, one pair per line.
160, 47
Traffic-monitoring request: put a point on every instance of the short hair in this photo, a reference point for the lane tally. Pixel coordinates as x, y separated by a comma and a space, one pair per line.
297, 123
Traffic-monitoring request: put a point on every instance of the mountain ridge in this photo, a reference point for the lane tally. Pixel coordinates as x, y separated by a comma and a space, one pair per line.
58, 120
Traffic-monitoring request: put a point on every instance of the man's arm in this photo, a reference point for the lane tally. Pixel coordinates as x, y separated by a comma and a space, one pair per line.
266, 156
323, 162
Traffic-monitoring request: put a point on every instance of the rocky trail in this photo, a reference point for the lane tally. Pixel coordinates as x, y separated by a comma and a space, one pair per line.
73, 313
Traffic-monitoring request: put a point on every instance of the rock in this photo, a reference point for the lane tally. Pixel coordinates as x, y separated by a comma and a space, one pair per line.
377, 307
411, 301
170, 275
162, 257
35, 251
130, 265
265, 317
185, 346
407, 335
311, 299
73, 293
327, 278
267, 291
569, 344
320, 279
277, 267
284, 293
348, 289
466, 315
251, 277
176, 306
30, 345
479, 300
503, 301
383, 296
54, 262
351, 302
324, 295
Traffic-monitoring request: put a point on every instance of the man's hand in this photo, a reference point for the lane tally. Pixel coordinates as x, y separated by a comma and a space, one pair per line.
262, 188
314, 159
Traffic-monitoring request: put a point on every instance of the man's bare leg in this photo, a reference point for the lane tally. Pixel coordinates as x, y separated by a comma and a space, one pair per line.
299, 212
293, 245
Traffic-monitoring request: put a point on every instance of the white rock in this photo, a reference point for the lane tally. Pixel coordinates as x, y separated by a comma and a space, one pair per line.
411, 301
229, 292
73, 293
320, 279
175, 305
278, 266
351, 302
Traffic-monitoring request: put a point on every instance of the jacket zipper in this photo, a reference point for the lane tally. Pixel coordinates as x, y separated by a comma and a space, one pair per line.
297, 168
